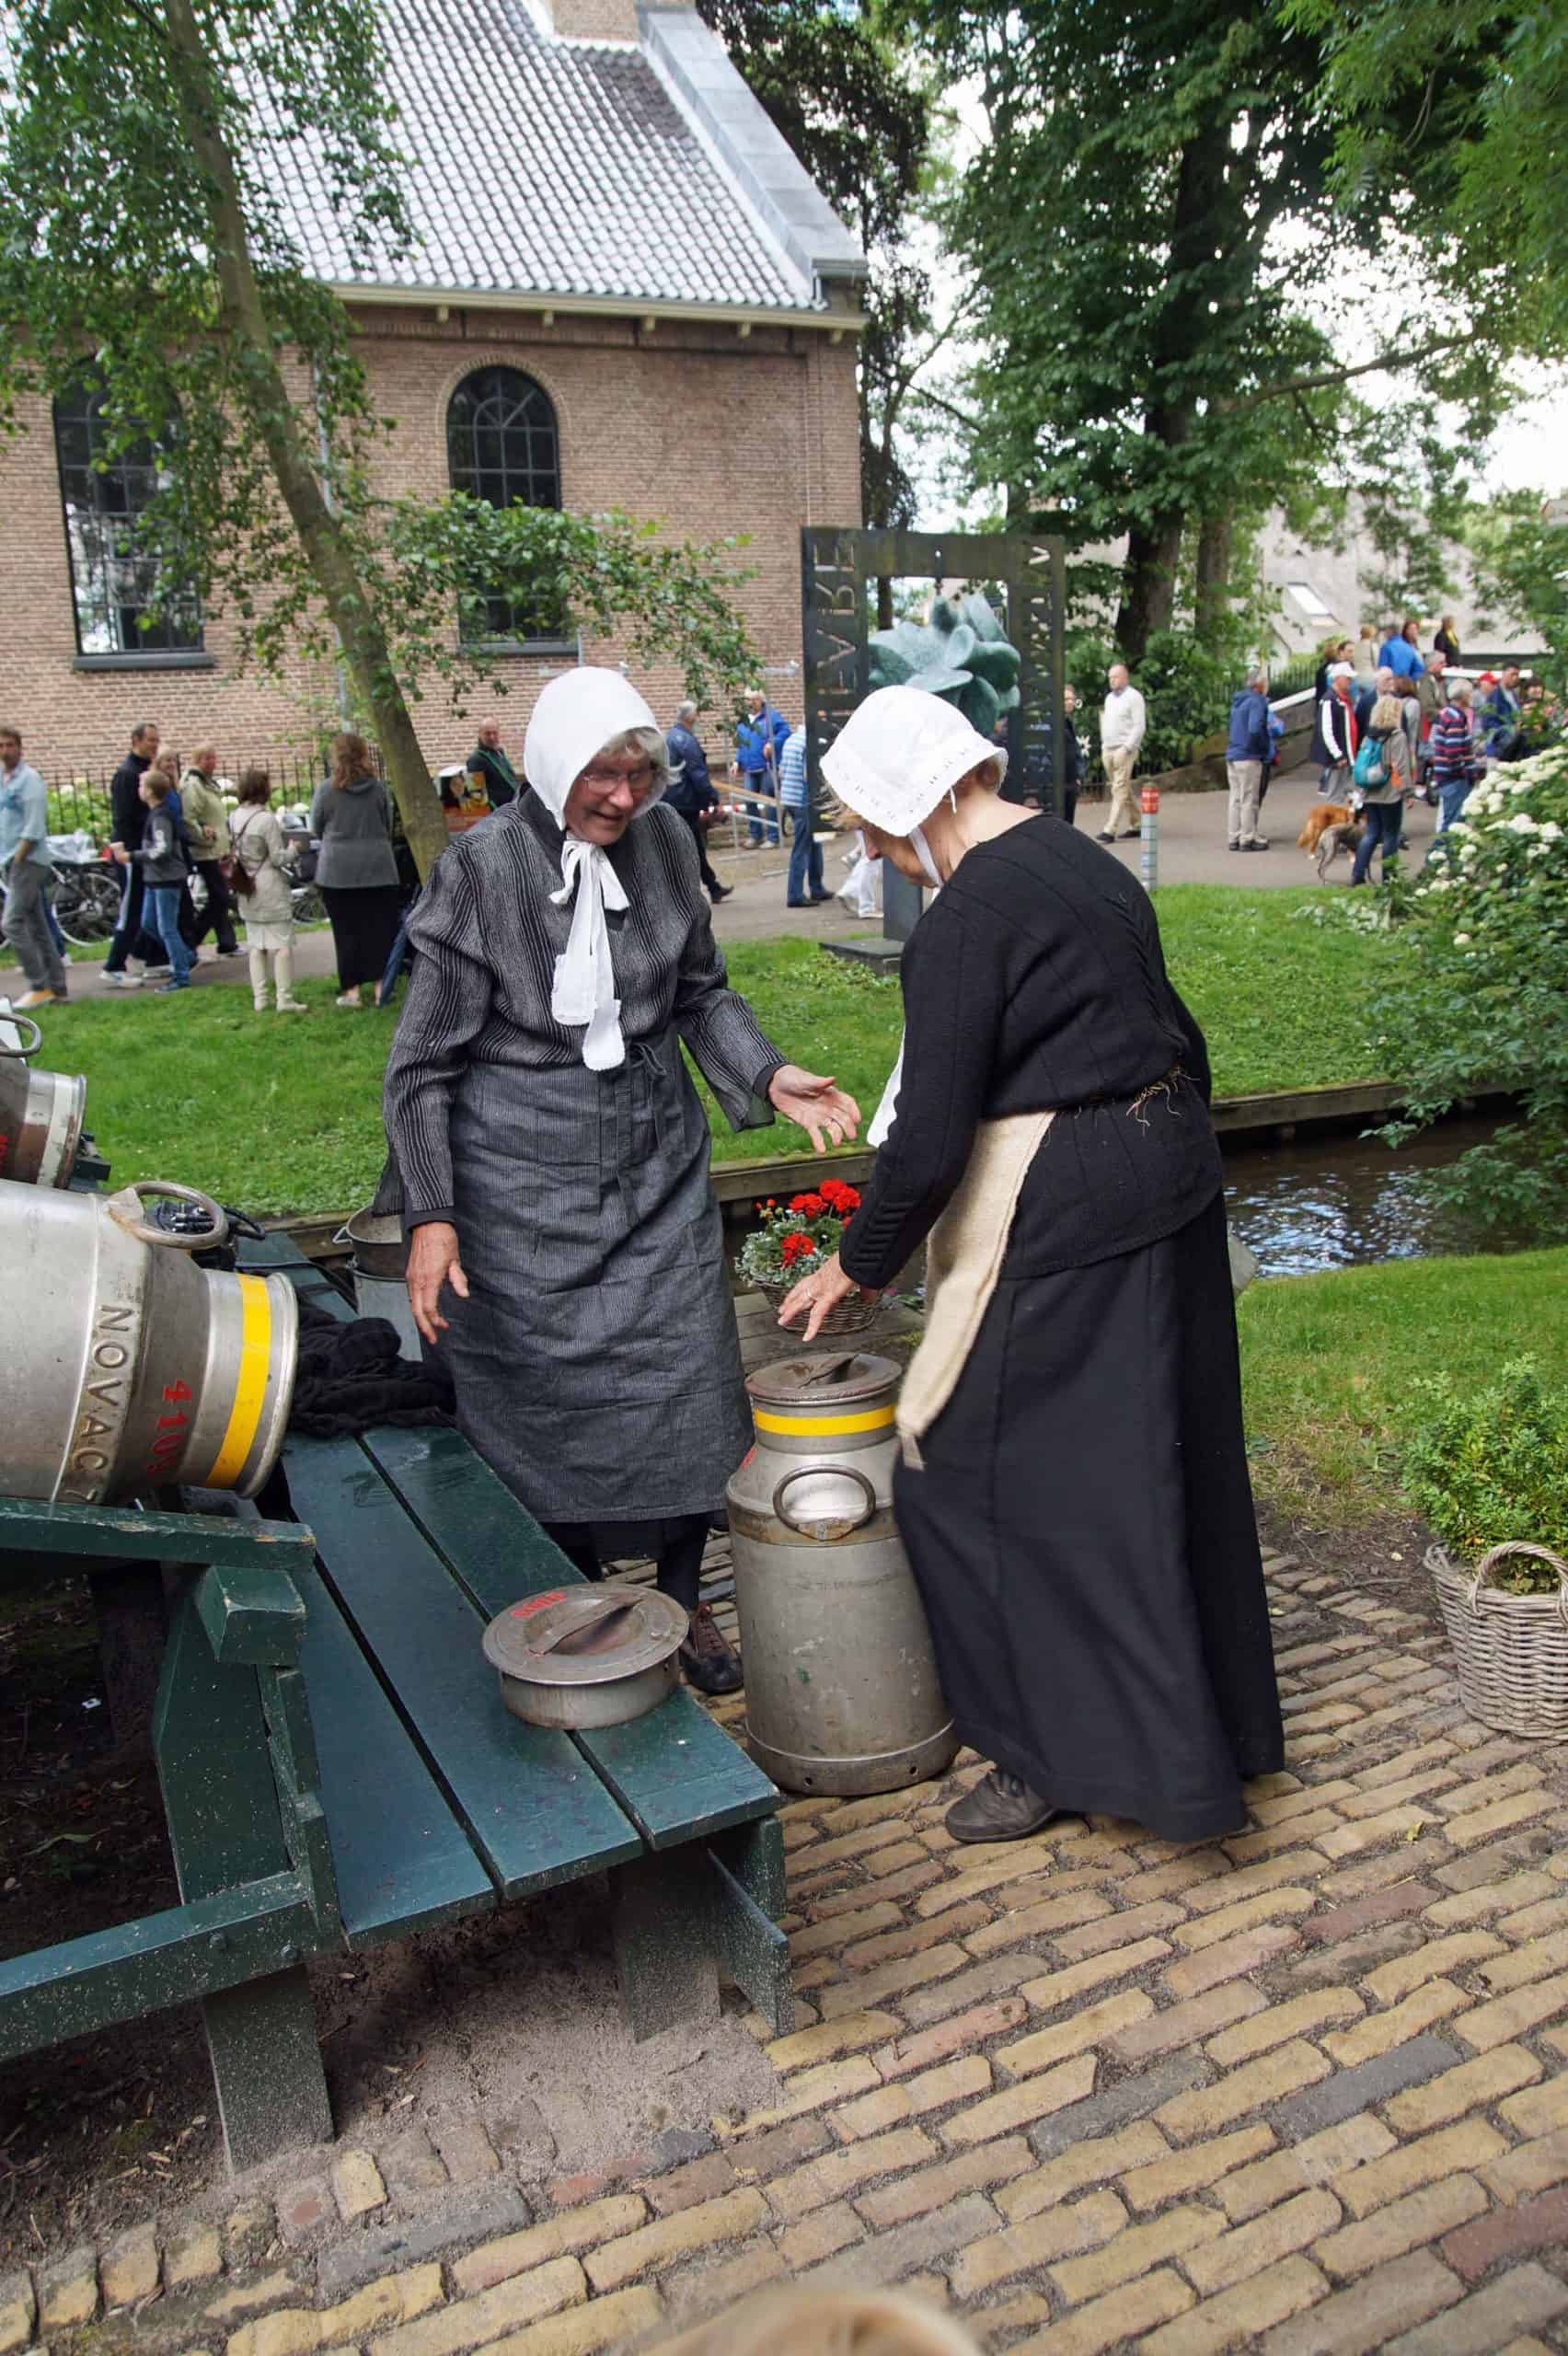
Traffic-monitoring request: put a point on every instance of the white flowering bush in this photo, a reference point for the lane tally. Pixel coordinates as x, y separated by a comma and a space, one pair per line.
1485, 926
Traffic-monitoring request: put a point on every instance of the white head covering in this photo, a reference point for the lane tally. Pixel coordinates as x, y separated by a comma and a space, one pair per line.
893, 759
899, 752
577, 715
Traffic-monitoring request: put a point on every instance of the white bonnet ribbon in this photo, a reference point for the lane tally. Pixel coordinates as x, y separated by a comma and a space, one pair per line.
584, 987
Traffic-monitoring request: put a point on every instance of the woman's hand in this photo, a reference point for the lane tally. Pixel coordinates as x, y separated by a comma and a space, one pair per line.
819, 1293
433, 1262
828, 1113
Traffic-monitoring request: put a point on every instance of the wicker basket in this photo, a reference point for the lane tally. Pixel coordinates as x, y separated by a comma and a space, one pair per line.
851, 1315
1512, 1650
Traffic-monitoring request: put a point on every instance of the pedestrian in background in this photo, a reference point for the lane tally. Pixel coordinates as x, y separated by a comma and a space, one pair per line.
804, 888
489, 762
356, 870
1248, 749
693, 794
205, 814
267, 906
1385, 773
1445, 642
1453, 755
1336, 724
28, 865
1398, 652
1502, 726
160, 855
759, 742
1122, 723
1072, 755
1364, 654
134, 954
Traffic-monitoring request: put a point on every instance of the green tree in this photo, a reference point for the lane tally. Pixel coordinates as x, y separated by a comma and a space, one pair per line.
142, 237
1161, 258
1459, 109
1518, 547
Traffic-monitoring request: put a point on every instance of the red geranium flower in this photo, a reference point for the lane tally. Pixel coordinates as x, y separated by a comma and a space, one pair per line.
839, 1196
797, 1247
809, 1206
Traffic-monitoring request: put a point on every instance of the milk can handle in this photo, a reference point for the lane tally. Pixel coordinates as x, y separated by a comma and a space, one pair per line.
23, 1023
145, 1232
850, 1472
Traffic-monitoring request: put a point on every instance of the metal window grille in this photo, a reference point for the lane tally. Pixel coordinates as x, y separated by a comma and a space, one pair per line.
116, 571
503, 446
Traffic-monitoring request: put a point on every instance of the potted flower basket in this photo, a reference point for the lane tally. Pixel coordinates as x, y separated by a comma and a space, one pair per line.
795, 1239
1507, 1621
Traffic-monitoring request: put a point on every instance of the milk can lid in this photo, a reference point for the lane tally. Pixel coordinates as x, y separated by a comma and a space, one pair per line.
824, 1380
585, 1635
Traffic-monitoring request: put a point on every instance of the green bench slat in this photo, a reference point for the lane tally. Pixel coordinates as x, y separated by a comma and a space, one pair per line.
403, 1861
272, 1250
675, 1772
533, 1807
123, 1533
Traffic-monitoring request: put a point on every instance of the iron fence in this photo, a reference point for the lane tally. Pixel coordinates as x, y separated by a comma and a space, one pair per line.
79, 799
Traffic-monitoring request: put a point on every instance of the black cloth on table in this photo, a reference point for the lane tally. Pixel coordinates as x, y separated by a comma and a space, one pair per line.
1082, 1528
351, 1378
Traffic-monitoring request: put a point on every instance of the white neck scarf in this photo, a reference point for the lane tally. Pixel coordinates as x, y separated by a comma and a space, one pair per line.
576, 716
585, 988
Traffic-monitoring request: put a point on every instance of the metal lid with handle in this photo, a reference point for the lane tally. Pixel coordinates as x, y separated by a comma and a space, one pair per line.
589, 1635
825, 1384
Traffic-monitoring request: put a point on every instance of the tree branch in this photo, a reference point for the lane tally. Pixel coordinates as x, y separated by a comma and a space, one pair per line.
1394, 364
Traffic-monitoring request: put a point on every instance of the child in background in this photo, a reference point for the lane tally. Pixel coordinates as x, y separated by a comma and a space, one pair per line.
162, 860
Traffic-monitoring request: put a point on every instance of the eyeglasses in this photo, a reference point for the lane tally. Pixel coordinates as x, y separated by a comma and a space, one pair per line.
606, 780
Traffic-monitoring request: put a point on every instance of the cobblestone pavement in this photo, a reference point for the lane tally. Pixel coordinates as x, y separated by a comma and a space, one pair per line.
1300, 2091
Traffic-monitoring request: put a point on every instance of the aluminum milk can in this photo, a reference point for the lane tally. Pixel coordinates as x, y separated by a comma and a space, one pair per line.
124, 1365
40, 1112
841, 1683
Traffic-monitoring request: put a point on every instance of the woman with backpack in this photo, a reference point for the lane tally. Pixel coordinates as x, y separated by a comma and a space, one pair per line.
1383, 776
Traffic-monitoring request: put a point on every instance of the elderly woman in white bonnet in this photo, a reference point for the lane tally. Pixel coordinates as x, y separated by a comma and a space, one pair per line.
1073, 1492
565, 1247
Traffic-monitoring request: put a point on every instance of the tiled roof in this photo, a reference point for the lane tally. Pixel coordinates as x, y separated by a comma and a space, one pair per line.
540, 167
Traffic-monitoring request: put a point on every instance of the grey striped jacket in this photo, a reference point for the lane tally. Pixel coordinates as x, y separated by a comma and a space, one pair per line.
487, 938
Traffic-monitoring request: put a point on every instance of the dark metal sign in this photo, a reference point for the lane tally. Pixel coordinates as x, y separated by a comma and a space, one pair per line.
839, 571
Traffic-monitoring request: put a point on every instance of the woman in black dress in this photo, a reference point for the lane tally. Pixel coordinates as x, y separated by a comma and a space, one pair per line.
1074, 1495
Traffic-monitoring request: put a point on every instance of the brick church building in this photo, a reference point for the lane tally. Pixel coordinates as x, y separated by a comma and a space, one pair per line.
626, 293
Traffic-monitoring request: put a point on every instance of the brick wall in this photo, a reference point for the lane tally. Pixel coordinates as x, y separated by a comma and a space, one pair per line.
690, 422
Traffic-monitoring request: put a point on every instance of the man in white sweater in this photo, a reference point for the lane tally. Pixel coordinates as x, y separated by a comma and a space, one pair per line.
1121, 725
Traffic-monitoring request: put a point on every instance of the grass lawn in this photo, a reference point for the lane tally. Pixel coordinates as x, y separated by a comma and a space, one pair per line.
1329, 1362
283, 1114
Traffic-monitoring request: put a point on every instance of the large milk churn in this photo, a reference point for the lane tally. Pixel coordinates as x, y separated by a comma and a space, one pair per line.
124, 1365
841, 1684
40, 1112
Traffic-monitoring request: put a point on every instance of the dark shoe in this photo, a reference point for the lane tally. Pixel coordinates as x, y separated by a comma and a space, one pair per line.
708, 1660
819, 899
717, 891
797, 904
1259, 842
1232, 845
1000, 1808
1129, 833
1103, 837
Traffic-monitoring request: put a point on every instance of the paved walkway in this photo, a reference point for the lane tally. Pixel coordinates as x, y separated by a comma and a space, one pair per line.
1300, 2091
1192, 850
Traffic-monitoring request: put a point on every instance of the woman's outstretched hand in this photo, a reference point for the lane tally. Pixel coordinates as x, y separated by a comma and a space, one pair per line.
433, 1262
828, 1113
821, 1291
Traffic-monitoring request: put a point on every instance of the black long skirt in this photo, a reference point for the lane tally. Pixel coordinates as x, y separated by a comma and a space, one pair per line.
365, 925
1083, 1536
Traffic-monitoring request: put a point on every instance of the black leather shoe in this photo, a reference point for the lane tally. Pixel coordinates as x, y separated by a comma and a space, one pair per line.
710, 1663
717, 891
1103, 837
1000, 1808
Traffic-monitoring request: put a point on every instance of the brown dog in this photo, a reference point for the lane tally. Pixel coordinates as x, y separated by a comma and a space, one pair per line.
1323, 815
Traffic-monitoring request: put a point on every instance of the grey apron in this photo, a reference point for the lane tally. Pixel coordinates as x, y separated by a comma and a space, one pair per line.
596, 1363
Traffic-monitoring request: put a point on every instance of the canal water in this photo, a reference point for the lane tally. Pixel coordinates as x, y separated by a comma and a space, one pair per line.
1339, 1201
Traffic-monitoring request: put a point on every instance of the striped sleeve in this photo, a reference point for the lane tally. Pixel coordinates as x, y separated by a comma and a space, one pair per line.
447, 1006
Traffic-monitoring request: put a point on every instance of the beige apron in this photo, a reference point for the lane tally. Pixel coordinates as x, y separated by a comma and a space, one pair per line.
964, 1259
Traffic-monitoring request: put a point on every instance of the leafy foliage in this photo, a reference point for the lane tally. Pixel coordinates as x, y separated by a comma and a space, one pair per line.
1489, 1464
1186, 684
1485, 1005
1519, 546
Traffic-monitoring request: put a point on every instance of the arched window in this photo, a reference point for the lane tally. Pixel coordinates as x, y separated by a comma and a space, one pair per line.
115, 572
501, 446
